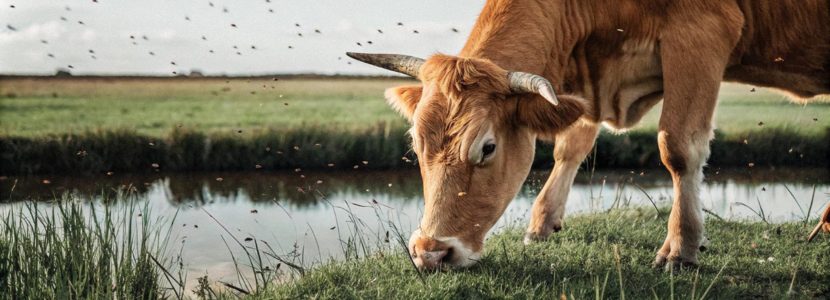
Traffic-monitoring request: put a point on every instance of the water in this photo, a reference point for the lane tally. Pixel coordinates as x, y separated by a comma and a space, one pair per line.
308, 215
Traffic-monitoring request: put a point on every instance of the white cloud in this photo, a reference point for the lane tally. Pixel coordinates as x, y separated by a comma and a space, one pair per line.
166, 34
108, 26
34, 32
343, 26
87, 35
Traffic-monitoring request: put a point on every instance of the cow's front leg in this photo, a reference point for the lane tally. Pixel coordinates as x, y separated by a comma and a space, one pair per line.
684, 155
571, 148
694, 57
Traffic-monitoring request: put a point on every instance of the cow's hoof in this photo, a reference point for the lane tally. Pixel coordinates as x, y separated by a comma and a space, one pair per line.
704, 244
676, 263
532, 237
659, 262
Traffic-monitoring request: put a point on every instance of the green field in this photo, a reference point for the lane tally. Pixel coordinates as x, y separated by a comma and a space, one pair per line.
156, 106
33, 107
97, 125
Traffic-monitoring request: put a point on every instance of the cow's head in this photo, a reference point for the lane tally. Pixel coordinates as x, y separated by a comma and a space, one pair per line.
475, 138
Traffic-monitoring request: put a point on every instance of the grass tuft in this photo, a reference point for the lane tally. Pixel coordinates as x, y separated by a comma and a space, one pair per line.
67, 251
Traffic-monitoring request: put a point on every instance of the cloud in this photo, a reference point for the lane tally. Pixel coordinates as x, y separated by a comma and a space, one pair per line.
343, 26
34, 32
167, 34
87, 35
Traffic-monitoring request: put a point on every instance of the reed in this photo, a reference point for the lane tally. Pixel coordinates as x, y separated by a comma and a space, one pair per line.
383, 146
68, 250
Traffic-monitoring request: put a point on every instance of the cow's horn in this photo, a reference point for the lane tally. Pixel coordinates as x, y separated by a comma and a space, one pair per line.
404, 64
521, 82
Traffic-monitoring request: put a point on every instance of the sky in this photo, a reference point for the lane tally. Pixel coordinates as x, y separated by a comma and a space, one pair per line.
247, 37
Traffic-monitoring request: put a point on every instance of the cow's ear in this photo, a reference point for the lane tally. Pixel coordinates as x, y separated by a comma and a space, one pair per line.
404, 99
547, 119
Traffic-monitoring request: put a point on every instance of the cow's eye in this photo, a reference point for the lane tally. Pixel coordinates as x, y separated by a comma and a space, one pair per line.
488, 149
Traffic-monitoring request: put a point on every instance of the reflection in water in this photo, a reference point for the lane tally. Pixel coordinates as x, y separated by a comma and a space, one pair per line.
318, 215
298, 189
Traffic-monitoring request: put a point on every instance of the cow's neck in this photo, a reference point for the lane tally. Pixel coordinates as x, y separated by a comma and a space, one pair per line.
523, 35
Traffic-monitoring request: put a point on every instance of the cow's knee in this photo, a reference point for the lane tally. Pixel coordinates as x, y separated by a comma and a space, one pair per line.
684, 154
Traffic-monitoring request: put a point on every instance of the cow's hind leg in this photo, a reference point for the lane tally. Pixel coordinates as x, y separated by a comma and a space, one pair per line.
571, 148
694, 57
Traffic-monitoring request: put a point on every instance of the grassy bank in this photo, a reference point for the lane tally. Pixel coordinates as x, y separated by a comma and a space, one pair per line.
597, 256
70, 251
379, 147
67, 252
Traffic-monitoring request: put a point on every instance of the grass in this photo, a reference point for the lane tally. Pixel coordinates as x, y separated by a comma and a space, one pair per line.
740, 110
153, 107
68, 251
598, 256
37, 107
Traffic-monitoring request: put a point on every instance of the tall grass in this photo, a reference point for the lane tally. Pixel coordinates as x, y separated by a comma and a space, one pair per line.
68, 251
121, 150
379, 147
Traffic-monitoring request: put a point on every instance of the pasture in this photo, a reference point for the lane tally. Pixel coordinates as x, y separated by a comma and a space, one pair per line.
42, 106
99, 125
155, 107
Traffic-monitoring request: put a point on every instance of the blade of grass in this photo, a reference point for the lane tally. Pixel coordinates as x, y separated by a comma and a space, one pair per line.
618, 262
711, 284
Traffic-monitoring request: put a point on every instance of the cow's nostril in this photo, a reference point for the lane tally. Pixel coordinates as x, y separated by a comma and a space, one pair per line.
447, 257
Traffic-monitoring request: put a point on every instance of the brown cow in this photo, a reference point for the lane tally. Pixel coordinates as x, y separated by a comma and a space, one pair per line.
475, 116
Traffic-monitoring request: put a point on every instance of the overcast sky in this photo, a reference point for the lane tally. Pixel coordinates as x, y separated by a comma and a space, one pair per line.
40, 36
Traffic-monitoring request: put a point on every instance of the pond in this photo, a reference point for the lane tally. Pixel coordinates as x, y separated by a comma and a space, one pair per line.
312, 217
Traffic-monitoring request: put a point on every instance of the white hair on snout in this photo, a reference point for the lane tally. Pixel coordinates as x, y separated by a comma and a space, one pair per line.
461, 255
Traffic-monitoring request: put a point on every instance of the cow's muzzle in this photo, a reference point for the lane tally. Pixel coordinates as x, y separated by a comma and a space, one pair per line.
432, 253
